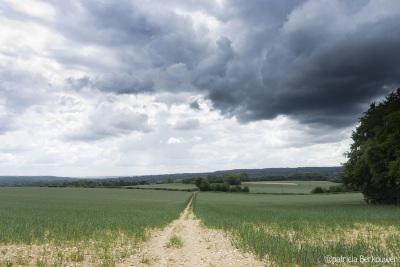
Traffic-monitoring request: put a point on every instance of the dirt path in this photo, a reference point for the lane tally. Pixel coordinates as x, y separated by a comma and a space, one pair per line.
199, 246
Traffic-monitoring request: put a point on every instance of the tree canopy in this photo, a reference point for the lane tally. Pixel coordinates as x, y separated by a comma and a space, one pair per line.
373, 164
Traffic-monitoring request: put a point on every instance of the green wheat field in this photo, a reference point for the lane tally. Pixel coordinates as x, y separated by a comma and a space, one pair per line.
64, 226
302, 230
103, 224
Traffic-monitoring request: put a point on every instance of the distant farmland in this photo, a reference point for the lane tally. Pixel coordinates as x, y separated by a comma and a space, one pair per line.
267, 187
286, 187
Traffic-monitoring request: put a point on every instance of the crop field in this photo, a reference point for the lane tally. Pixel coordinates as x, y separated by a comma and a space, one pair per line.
67, 226
305, 230
286, 187
268, 187
104, 227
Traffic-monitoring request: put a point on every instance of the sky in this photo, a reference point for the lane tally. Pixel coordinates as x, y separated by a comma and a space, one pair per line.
100, 88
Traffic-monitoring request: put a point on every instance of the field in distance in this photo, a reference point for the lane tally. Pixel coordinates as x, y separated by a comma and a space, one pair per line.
269, 187
286, 187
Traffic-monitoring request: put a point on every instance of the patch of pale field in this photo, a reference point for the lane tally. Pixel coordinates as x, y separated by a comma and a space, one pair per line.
376, 233
369, 233
84, 253
275, 183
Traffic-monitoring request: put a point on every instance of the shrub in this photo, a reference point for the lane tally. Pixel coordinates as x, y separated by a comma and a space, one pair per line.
318, 190
236, 188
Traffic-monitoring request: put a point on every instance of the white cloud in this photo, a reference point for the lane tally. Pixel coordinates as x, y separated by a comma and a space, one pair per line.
204, 23
27, 38
174, 140
108, 118
34, 8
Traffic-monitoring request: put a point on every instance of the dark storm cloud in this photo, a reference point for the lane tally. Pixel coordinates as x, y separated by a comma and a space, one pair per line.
146, 47
325, 81
314, 72
124, 83
144, 35
194, 105
319, 62
216, 65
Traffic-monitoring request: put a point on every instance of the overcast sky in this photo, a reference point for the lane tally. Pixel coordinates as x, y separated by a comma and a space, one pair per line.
96, 87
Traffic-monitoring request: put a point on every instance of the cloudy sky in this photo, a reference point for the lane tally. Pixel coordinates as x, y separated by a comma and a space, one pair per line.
96, 87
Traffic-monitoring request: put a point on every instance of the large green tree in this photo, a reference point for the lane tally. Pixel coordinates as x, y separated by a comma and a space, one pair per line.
373, 164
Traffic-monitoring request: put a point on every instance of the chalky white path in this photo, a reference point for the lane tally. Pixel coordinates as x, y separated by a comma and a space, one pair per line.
201, 247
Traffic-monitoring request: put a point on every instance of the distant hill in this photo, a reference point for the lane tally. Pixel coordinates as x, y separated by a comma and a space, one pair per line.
301, 173
30, 180
255, 174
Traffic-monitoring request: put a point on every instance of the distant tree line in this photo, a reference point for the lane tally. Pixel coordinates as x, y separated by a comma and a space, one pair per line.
244, 177
31, 180
228, 182
302, 176
95, 183
229, 178
332, 189
163, 189
204, 185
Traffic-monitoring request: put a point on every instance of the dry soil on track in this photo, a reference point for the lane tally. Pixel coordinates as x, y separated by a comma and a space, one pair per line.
200, 247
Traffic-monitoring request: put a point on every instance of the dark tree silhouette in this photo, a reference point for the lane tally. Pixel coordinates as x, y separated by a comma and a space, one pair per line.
373, 164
